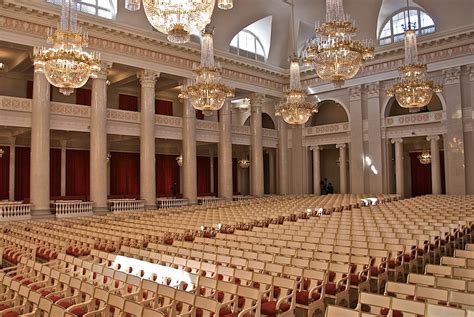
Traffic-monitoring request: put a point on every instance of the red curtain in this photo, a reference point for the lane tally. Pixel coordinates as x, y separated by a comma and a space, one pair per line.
127, 102
203, 175
216, 176
167, 173
29, 89
78, 173
420, 176
83, 96
4, 172
22, 173
55, 172
125, 174
234, 175
199, 115
164, 107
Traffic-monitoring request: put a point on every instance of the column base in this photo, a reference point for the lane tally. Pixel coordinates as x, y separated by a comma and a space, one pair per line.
42, 214
100, 210
151, 207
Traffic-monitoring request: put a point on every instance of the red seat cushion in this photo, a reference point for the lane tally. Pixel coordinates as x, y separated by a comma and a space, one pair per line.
65, 304
396, 313
303, 297
55, 298
3, 306
331, 288
79, 311
355, 280
393, 264
225, 310
11, 314
269, 308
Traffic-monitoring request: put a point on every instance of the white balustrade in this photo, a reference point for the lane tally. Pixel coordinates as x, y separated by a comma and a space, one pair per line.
124, 205
242, 197
163, 203
209, 200
66, 209
15, 211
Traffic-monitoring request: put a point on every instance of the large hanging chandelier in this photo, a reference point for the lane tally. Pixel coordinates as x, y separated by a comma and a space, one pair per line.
66, 65
413, 90
244, 163
334, 54
295, 109
207, 93
425, 158
179, 160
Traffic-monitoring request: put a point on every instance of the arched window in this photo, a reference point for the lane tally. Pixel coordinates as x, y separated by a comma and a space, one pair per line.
392, 31
247, 44
102, 8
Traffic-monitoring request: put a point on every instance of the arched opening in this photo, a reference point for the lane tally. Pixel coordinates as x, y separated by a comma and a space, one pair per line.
329, 112
267, 122
393, 108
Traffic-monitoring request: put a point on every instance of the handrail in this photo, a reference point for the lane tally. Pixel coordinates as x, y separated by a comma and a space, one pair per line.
66, 209
124, 205
15, 211
209, 200
163, 203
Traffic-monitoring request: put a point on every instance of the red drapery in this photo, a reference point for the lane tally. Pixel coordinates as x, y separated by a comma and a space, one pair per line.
234, 175
22, 173
83, 96
420, 176
216, 176
203, 175
167, 173
29, 89
55, 172
199, 115
164, 107
4, 172
78, 173
127, 102
125, 174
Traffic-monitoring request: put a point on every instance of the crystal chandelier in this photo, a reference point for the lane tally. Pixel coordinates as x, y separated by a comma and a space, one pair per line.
179, 160
178, 18
334, 54
225, 4
244, 163
425, 158
413, 90
207, 93
66, 65
295, 109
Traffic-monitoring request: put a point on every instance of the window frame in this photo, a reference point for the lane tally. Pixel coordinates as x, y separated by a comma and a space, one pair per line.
245, 53
398, 37
95, 7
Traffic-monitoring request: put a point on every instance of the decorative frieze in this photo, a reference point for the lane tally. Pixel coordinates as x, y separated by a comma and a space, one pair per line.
413, 119
327, 129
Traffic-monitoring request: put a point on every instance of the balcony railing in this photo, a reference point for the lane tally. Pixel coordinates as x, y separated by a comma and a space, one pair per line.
67, 209
15, 211
164, 203
124, 205
209, 200
242, 197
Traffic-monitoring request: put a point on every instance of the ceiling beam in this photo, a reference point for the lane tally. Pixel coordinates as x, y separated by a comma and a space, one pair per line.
123, 78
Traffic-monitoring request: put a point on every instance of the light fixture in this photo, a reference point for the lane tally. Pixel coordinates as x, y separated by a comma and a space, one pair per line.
107, 82
207, 93
1, 153
425, 158
132, 5
225, 4
334, 54
179, 160
2, 66
244, 163
108, 157
413, 90
179, 18
295, 109
66, 65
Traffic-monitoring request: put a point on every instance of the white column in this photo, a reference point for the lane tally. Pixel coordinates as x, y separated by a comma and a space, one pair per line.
63, 167
271, 171
399, 170
356, 150
211, 172
282, 157
189, 153
98, 141
147, 139
40, 143
342, 168
376, 183
316, 169
257, 185
435, 164
225, 152
11, 178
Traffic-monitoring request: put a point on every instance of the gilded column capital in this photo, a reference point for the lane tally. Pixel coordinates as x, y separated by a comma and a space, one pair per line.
148, 78
104, 70
256, 100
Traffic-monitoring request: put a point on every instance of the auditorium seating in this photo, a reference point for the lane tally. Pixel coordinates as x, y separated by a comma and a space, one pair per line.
272, 256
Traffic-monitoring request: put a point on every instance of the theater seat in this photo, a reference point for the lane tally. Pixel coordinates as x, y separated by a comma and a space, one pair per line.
269, 308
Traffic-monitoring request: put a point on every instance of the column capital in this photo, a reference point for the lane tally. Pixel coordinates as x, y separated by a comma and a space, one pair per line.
452, 76
12, 140
315, 148
148, 78
432, 138
341, 146
104, 70
63, 143
256, 100
470, 70
355, 92
373, 89
397, 140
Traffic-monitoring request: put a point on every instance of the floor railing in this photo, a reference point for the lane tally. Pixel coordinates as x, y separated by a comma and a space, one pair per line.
15, 211
163, 203
123, 205
66, 209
